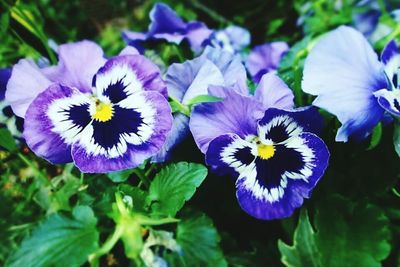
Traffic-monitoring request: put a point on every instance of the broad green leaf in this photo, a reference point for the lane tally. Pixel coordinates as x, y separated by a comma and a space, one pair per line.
376, 136
199, 241
119, 176
173, 185
396, 138
135, 196
59, 241
304, 251
352, 234
203, 99
347, 234
6, 140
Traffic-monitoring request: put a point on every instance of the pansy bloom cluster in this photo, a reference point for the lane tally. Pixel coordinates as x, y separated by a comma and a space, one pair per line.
270, 116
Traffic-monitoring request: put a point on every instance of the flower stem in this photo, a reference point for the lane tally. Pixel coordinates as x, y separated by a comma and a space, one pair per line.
106, 247
142, 176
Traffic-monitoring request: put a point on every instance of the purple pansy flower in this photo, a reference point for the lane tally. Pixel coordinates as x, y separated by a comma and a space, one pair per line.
350, 82
166, 24
265, 58
232, 39
192, 78
273, 152
110, 121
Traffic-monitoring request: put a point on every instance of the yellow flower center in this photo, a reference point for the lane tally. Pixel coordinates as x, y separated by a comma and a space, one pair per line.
265, 151
104, 112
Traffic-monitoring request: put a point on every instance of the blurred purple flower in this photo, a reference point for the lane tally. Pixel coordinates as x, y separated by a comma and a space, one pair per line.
350, 82
265, 58
166, 24
232, 39
273, 152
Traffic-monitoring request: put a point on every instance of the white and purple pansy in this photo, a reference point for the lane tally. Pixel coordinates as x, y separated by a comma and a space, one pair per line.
277, 167
349, 80
120, 122
273, 152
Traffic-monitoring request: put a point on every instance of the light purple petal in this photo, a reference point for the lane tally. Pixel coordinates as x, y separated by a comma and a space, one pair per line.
236, 114
50, 125
129, 51
389, 100
230, 66
25, 83
78, 63
197, 33
238, 36
265, 58
136, 132
272, 92
344, 71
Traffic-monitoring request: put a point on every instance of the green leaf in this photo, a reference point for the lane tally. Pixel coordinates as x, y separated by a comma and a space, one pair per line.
119, 176
6, 140
59, 241
347, 234
304, 251
376, 136
396, 138
352, 234
199, 241
173, 185
203, 99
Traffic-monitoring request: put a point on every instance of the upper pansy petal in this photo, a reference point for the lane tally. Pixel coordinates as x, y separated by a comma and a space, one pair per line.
197, 33
272, 92
344, 71
78, 63
25, 83
54, 120
274, 188
214, 67
129, 51
389, 100
278, 125
122, 76
230, 66
391, 58
265, 58
165, 20
136, 131
210, 120
239, 37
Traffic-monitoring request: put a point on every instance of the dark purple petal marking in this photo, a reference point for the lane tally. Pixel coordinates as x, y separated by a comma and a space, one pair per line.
124, 121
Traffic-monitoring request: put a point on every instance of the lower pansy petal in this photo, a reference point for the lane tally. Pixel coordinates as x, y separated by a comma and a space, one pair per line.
389, 100
54, 120
136, 131
230, 154
125, 75
275, 187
